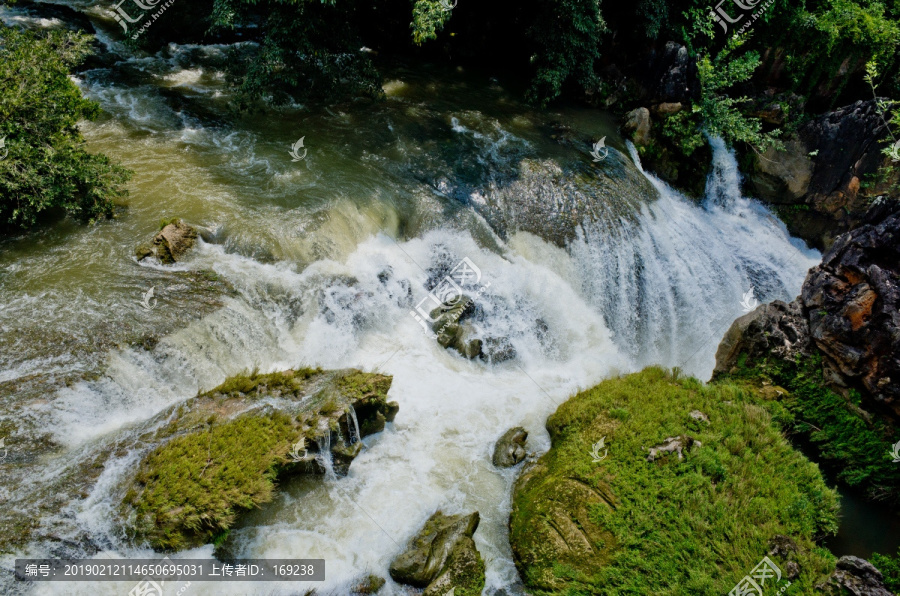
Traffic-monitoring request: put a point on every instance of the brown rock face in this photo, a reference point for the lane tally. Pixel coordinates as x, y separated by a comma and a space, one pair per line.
853, 304
849, 311
510, 448
638, 123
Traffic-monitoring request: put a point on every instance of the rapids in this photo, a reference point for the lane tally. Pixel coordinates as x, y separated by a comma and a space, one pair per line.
325, 258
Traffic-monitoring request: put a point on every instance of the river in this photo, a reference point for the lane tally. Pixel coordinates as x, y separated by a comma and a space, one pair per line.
324, 258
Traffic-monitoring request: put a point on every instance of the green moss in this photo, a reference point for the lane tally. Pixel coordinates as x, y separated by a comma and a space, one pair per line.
890, 568
290, 382
691, 526
192, 488
169, 221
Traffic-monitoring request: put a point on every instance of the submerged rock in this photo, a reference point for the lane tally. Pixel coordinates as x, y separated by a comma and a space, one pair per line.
221, 453
370, 584
510, 448
169, 245
443, 557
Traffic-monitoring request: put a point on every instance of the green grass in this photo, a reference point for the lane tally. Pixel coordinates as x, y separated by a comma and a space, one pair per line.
194, 486
855, 448
695, 526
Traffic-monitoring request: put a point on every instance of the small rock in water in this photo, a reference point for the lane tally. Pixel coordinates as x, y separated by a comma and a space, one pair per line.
169, 245
442, 557
510, 448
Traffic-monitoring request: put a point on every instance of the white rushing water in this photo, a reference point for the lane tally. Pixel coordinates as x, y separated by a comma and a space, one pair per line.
661, 290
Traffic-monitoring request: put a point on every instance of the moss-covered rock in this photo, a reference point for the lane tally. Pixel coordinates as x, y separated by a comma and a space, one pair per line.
222, 452
692, 525
443, 557
168, 246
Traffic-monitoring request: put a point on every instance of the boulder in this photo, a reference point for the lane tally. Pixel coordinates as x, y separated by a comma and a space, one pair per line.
220, 454
637, 122
443, 557
778, 329
848, 311
855, 576
510, 448
816, 182
170, 244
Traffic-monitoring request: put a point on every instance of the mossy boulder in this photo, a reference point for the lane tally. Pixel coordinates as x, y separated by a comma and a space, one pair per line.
174, 239
619, 524
222, 453
443, 557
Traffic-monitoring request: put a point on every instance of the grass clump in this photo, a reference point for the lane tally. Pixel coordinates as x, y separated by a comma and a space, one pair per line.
190, 490
694, 525
289, 382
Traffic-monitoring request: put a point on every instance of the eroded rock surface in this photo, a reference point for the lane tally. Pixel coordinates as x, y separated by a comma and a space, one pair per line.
170, 244
510, 448
848, 310
443, 557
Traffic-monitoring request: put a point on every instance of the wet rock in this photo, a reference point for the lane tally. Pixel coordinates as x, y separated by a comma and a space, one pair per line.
170, 244
848, 311
510, 448
856, 576
453, 330
668, 108
370, 584
637, 122
677, 445
498, 349
671, 76
442, 557
219, 454
776, 329
816, 182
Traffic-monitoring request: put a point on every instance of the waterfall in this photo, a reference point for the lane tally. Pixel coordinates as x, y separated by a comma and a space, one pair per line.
354, 430
324, 457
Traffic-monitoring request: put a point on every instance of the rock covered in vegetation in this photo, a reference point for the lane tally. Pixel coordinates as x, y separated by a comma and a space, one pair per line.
443, 557
510, 448
856, 576
370, 584
174, 239
221, 453
820, 181
848, 311
622, 525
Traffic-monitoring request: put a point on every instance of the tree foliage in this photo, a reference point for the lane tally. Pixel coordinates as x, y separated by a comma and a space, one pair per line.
47, 166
